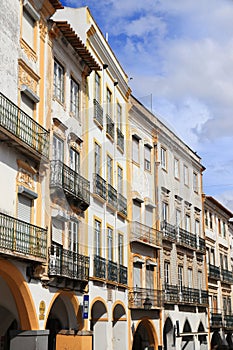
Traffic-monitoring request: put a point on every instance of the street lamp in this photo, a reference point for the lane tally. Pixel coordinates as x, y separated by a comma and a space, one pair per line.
147, 303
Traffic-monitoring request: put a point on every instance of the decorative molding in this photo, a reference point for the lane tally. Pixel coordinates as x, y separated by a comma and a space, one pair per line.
27, 76
30, 53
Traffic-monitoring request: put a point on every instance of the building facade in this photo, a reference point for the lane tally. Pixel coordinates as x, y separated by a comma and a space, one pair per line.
218, 233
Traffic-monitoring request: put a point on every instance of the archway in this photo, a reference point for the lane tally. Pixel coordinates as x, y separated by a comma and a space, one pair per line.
145, 336
216, 340
168, 335
119, 328
99, 318
187, 340
62, 315
202, 337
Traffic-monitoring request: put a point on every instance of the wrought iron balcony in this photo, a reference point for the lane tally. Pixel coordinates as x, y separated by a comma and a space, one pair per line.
112, 196
110, 126
201, 245
22, 239
137, 297
122, 277
214, 272
122, 204
99, 186
216, 319
22, 130
145, 234
228, 321
227, 276
186, 239
171, 294
98, 112
76, 187
100, 265
67, 264
109, 270
112, 271
120, 139
169, 231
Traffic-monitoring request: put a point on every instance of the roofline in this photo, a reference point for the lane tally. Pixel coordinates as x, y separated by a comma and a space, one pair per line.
220, 205
56, 4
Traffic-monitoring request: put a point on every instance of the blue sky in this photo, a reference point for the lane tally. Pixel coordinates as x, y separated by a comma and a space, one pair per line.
181, 53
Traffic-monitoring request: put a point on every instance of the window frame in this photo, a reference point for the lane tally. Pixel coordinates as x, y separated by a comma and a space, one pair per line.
135, 150
74, 98
59, 81
147, 158
163, 157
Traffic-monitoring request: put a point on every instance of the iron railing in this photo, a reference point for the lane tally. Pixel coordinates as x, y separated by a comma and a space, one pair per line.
228, 321
26, 129
122, 204
169, 231
98, 112
109, 270
173, 294
227, 276
214, 272
99, 186
145, 234
21, 237
110, 126
186, 238
137, 297
73, 184
120, 139
216, 319
112, 196
201, 245
65, 263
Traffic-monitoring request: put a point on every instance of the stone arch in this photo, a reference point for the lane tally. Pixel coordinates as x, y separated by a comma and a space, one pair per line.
187, 340
119, 326
21, 294
99, 321
145, 335
168, 334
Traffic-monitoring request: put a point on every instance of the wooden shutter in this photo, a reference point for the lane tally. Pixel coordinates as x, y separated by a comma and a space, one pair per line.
24, 208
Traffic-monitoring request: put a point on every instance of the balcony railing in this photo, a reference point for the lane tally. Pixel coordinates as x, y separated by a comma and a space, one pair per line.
137, 297
122, 204
214, 272
169, 231
228, 321
99, 186
23, 127
120, 139
65, 263
109, 270
192, 296
76, 187
17, 236
201, 245
216, 319
186, 239
112, 271
110, 126
145, 234
122, 277
112, 196
98, 112
227, 276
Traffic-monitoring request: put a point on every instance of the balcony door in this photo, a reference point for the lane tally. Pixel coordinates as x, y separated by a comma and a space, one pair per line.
74, 160
23, 229
137, 275
58, 148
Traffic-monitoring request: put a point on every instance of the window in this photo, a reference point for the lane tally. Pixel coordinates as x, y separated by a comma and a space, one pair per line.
166, 273
74, 98
229, 305
187, 223
221, 261
199, 282
136, 211
190, 278
225, 262
109, 170
197, 227
149, 216
97, 158
211, 220
135, 142
164, 211
97, 246
28, 28
120, 249
58, 82
219, 226
119, 179
224, 229
110, 243
150, 276
206, 218
23, 231
176, 168
137, 273
147, 154
24, 208
97, 87
74, 160
27, 105
224, 305
163, 156
212, 256
180, 277
73, 236
195, 182
186, 175
109, 102
58, 149
178, 218
119, 116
